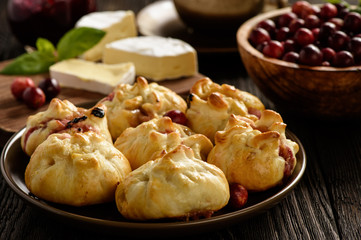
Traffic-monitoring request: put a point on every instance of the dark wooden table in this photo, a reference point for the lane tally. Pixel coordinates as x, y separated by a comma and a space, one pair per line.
326, 204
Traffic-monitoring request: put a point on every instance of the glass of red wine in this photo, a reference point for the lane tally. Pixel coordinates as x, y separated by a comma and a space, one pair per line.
50, 19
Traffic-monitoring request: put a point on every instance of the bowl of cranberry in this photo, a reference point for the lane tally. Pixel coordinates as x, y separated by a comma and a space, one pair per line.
306, 58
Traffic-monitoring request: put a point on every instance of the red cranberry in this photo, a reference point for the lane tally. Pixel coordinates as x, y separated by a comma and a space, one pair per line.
343, 59
19, 85
339, 40
312, 21
282, 33
50, 87
352, 22
268, 25
326, 29
291, 57
310, 55
258, 36
273, 49
302, 9
285, 19
328, 54
34, 97
355, 47
328, 11
295, 24
304, 36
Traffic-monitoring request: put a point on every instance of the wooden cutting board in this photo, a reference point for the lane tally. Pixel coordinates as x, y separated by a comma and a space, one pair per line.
13, 113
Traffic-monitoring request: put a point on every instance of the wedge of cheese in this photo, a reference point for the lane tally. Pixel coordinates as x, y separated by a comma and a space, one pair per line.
156, 58
116, 24
90, 76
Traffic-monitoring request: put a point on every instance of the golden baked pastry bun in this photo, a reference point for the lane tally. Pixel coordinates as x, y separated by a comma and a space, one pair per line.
177, 185
257, 154
130, 105
155, 138
78, 170
63, 116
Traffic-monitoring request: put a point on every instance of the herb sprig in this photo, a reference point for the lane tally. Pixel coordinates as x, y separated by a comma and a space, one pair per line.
72, 44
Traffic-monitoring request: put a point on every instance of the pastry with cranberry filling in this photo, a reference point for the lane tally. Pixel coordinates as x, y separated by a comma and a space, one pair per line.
211, 104
63, 116
76, 169
155, 138
257, 154
177, 185
130, 105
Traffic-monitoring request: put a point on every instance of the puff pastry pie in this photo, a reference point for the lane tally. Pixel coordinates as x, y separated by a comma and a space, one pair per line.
78, 170
130, 105
178, 185
256, 154
63, 116
211, 104
153, 139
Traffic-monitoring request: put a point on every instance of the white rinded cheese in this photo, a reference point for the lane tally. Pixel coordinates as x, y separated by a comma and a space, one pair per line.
90, 76
154, 57
116, 24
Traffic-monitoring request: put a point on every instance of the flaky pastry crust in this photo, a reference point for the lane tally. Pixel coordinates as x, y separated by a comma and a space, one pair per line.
78, 170
178, 185
256, 154
130, 105
155, 138
63, 116
211, 104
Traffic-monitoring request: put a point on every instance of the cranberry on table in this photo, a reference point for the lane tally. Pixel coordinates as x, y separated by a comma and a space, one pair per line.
19, 85
50, 87
34, 97
273, 49
311, 55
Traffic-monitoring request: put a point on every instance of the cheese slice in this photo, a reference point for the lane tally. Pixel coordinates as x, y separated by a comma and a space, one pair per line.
116, 24
90, 76
157, 58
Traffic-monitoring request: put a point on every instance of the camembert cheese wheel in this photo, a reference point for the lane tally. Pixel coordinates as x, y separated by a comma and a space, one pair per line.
154, 57
116, 24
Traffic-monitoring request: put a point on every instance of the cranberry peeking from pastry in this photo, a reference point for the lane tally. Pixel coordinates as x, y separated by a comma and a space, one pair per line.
255, 154
130, 105
155, 138
211, 104
63, 116
177, 185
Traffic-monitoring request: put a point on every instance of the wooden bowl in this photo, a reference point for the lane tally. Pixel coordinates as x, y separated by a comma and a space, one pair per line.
324, 92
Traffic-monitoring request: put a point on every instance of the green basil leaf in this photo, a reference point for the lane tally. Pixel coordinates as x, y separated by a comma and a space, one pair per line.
44, 45
29, 64
77, 41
